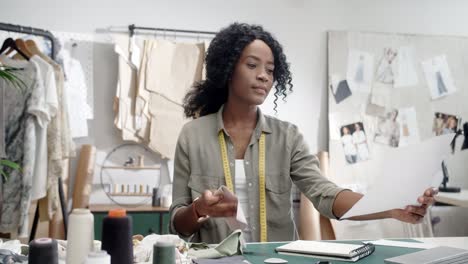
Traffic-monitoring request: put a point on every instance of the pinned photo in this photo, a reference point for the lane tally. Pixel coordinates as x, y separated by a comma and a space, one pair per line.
339, 89
385, 71
354, 141
445, 124
388, 129
438, 76
409, 132
360, 71
405, 74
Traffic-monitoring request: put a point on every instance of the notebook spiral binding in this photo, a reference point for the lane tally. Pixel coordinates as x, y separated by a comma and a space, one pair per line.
363, 251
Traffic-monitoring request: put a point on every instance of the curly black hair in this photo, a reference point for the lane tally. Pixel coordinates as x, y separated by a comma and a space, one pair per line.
207, 96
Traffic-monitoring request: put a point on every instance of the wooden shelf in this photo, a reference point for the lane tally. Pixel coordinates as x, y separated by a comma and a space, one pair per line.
142, 208
155, 167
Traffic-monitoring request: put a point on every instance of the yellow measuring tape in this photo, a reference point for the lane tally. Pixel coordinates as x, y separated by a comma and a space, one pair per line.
261, 179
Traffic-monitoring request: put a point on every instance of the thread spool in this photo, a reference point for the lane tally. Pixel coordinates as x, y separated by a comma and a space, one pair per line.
117, 236
163, 252
43, 250
155, 201
99, 257
80, 236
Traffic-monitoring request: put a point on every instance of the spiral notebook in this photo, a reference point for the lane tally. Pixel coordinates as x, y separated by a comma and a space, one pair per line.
327, 250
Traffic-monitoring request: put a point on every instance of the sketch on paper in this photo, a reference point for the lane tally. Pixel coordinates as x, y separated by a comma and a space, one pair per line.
438, 76
339, 88
360, 71
445, 124
409, 132
388, 129
405, 74
385, 71
354, 141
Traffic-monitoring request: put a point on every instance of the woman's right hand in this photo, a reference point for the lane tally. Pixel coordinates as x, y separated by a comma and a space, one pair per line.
216, 204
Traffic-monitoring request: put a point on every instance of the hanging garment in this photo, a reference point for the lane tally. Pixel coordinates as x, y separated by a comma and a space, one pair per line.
47, 109
22, 110
2, 124
75, 90
58, 145
124, 102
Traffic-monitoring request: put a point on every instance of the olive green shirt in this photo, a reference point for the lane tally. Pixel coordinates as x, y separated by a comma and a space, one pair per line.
198, 166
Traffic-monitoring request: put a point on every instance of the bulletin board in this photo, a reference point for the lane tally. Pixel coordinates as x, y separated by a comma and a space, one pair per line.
388, 92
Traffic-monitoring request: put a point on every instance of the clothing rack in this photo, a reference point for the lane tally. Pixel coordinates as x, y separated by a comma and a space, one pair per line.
48, 35
32, 31
132, 29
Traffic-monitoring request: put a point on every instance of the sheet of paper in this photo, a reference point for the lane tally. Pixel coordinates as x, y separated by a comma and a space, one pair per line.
238, 222
405, 74
409, 132
393, 243
360, 71
406, 173
438, 76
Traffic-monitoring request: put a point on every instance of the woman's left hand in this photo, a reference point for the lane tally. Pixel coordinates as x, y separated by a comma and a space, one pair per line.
414, 214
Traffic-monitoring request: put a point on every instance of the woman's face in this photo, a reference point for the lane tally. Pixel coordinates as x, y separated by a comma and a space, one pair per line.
345, 131
252, 77
452, 123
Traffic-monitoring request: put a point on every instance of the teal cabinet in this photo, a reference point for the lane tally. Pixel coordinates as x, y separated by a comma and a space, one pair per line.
144, 222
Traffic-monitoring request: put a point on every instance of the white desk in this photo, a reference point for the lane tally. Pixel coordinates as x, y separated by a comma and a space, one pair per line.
458, 199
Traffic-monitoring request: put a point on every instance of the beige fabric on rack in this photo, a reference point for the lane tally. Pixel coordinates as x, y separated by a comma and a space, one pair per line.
175, 67
166, 124
171, 70
142, 115
124, 102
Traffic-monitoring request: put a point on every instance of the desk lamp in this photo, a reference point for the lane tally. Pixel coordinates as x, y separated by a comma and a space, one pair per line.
443, 186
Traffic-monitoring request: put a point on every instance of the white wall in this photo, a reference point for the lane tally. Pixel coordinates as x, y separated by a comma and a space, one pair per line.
300, 25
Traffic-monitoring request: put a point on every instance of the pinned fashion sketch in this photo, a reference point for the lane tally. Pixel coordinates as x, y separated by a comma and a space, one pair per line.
445, 124
354, 140
438, 76
386, 70
409, 132
339, 88
388, 129
360, 71
405, 73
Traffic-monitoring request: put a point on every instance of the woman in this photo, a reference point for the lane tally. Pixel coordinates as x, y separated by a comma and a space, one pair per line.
360, 140
243, 64
349, 146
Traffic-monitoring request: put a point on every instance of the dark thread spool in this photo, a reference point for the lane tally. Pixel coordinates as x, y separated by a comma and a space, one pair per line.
163, 253
43, 250
117, 237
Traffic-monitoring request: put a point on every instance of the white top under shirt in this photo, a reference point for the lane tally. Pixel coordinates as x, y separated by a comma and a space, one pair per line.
241, 193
